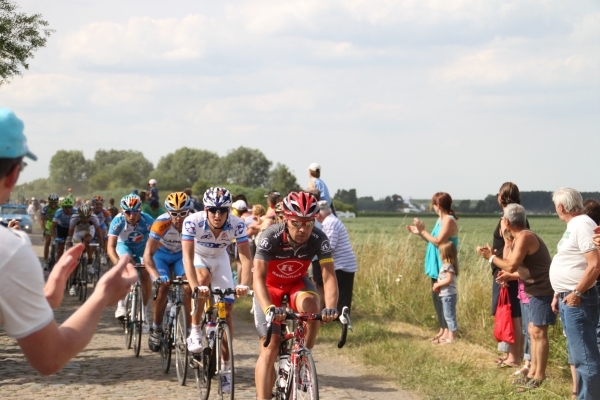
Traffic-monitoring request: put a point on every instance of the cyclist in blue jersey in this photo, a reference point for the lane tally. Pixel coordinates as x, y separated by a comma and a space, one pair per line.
163, 255
102, 214
61, 223
128, 234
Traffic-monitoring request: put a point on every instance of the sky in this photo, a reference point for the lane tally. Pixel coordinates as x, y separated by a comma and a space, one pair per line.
391, 97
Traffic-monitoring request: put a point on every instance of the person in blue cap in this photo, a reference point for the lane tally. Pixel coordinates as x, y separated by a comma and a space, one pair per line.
25, 302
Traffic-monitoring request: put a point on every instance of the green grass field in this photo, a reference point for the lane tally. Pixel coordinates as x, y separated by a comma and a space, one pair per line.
393, 312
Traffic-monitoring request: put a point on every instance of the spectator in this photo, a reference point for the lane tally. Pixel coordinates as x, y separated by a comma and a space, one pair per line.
111, 207
507, 194
344, 259
573, 274
25, 303
273, 197
153, 208
314, 172
526, 253
153, 190
444, 230
144, 197
592, 209
240, 209
196, 204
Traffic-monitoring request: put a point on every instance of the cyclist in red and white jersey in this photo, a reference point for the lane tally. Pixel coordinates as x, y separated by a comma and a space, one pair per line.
284, 253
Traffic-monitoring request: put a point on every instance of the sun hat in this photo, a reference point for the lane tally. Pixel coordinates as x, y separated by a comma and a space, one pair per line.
314, 167
240, 205
152, 182
13, 141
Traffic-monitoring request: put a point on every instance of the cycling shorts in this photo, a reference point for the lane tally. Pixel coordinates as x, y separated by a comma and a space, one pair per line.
103, 227
62, 232
136, 254
163, 260
78, 235
48, 228
220, 271
293, 289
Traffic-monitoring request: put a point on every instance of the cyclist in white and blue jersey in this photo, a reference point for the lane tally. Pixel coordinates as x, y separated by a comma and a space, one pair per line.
102, 214
204, 240
163, 254
61, 223
128, 234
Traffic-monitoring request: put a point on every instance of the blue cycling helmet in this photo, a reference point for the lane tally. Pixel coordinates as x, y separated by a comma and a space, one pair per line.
131, 202
217, 197
178, 201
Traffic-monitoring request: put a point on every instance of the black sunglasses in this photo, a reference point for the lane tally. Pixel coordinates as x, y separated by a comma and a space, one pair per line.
129, 212
214, 210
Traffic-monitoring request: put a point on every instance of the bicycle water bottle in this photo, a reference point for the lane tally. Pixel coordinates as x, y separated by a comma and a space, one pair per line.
210, 331
284, 369
171, 313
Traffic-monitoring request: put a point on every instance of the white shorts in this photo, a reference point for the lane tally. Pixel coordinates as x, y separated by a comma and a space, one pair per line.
220, 271
78, 235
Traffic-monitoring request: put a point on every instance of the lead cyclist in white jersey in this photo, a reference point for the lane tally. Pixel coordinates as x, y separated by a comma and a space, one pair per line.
205, 237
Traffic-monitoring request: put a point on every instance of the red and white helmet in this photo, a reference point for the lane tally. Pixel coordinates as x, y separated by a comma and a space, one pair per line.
300, 204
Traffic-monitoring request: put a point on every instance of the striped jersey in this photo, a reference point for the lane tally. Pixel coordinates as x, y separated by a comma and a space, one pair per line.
343, 255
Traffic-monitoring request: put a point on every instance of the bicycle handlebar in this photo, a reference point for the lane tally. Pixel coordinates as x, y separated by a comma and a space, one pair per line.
344, 320
215, 292
176, 282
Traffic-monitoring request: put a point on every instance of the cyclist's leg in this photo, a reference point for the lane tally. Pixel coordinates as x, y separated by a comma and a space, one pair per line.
87, 238
264, 373
162, 266
304, 298
61, 233
203, 275
121, 250
47, 239
223, 278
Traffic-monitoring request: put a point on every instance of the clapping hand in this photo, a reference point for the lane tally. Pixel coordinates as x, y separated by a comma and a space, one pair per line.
55, 286
417, 227
597, 236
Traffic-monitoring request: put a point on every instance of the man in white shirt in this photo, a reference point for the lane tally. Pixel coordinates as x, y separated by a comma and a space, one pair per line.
573, 274
344, 259
25, 303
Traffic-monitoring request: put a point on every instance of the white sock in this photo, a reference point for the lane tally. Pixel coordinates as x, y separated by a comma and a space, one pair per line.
226, 365
121, 303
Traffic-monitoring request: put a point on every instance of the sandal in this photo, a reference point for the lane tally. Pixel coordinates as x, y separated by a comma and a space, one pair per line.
507, 365
500, 360
521, 380
446, 341
573, 395
530, 385
435, 339
523, 371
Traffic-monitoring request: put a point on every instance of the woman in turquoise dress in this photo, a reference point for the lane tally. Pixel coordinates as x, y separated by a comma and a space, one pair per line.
445, 230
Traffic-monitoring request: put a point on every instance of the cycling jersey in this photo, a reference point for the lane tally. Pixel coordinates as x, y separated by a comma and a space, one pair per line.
82, 226
104, 217
49, 212
196, 228
63, 220
286, 264
132, 236
165, 232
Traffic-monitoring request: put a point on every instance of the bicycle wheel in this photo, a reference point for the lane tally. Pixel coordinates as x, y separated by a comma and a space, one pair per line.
204, 366
128, 321
96, 275
305, 384
225, 338
137, 321
82, 280
166, 341
181, 351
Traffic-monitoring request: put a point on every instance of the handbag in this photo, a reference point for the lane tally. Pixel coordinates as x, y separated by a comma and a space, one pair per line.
504, 330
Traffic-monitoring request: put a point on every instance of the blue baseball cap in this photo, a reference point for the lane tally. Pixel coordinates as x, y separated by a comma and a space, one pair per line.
13, 143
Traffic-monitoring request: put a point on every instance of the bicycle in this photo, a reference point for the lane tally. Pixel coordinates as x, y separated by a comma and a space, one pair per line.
215, 335
174, 332
94, 275
134, 316
297, 374
52, 257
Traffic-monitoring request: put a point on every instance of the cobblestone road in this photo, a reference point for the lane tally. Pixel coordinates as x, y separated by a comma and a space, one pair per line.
105, 369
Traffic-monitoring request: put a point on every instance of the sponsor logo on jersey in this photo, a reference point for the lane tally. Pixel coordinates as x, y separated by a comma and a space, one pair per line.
289, 267
325, 246
223, 235
207, 236
239, 229
265, 244
135, 237
190, 227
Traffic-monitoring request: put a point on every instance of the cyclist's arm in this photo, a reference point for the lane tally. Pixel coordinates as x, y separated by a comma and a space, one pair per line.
71, 231
259, 279
187, 249
329, 283
246, 260
152, 246
53, 229
51, 347
99, 235
43, 223
111, 249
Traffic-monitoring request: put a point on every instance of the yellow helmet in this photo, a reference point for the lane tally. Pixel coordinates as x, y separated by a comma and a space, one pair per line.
178, 201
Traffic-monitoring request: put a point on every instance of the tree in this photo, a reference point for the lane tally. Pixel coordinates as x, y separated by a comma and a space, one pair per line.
185, 167
245, 167
20, 36
68, 169
282, 180
347, 196
113, 169
464, 206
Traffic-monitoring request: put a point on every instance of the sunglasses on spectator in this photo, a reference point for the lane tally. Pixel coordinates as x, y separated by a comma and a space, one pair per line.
176, 214
129, 212
300, 224
214, 210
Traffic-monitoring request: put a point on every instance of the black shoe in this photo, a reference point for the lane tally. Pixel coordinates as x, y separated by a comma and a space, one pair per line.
154, 340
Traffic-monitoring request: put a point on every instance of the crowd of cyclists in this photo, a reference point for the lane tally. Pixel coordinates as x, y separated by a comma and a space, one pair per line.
193, 245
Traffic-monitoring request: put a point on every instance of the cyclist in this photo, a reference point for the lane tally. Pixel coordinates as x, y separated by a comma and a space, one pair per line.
163, 250
46, 222
83, 228
284, 253
128, 234
61, 223
204, 240
102, 214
